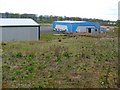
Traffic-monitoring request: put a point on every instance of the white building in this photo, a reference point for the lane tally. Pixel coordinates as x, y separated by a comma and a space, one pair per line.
17, 29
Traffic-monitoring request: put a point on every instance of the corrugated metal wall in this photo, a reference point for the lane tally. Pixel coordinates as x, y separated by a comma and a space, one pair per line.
19, 33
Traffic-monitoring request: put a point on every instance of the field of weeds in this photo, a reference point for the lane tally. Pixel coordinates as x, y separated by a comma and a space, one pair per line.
61, 62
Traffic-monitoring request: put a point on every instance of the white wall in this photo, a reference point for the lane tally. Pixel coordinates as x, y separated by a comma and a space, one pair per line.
84, 28
61, 27
19, 33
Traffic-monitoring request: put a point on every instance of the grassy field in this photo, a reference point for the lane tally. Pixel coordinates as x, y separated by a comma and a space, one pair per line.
70, 61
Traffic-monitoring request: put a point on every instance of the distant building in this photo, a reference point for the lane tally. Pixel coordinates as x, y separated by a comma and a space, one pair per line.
76, 26
14, 29
104, 28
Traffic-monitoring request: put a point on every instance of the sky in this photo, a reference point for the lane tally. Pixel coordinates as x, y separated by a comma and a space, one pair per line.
100, 9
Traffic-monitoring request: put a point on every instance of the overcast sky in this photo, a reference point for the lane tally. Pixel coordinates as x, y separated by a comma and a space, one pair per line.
101, 9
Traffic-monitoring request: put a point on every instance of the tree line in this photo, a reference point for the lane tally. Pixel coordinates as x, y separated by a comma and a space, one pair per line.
51, 18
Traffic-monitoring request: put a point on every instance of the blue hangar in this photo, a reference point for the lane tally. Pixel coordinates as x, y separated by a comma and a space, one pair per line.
76, 26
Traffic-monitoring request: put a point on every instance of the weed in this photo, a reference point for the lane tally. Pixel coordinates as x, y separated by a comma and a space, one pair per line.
26, 76
41, 85
6, 66
3, 44
30, 69
18, 55
103, 81
13, 78
48, 57
17, 72
29, 57
58, 60
42, 66
67, 55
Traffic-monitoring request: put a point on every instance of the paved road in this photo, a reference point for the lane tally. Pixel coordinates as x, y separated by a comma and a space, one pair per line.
46, 30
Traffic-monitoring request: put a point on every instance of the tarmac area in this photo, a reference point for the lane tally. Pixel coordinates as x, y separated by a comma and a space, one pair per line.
47, 30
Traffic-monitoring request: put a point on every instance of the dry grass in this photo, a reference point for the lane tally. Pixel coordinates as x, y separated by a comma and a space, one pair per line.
61, 62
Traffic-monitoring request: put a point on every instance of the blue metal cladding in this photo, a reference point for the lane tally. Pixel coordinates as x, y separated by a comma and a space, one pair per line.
69, 27
53, 25
72, 26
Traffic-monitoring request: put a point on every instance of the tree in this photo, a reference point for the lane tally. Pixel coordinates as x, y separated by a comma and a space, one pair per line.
51, 19
59, 18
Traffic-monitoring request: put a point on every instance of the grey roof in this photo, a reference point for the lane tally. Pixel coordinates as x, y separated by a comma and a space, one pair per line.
17, 22
71, 21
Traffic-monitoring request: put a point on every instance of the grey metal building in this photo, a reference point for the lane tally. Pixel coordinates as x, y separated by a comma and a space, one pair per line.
17, 29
